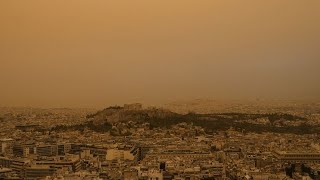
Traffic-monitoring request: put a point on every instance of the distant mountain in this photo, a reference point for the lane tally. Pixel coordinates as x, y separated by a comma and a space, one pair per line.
248, 106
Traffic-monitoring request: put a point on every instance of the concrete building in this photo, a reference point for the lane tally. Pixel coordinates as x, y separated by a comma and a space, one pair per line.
297, 157
19, 150
125, 153
5, 162
4, 172
181, 153
130, 174
19, 165
5, 143
38, 171
63, 149
47, 150
73, 164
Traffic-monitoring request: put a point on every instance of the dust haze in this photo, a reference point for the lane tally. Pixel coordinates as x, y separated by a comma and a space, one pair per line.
97, 53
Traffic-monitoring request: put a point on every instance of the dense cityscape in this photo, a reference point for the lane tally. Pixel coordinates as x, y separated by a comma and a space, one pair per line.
128, 142
160, 90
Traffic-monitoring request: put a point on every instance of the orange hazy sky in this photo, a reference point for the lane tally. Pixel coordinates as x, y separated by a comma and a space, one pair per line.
93, 53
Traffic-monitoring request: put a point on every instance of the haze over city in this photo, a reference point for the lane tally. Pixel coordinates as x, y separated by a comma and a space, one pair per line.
160, 90
97, 53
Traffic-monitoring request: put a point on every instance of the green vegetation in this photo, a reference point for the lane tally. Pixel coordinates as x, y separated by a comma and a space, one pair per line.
158, 118
105, 127
214, 122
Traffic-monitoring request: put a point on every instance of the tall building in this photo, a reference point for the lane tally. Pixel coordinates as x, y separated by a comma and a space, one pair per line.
47, 150
63, 149
19, 150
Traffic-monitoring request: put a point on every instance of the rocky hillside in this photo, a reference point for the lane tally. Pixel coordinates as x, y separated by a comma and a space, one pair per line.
116, 114
159, 118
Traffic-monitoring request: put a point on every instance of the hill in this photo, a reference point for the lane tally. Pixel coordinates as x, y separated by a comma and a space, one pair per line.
249, 122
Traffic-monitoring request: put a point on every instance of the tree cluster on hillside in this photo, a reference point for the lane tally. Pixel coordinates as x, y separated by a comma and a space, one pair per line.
105, 127
158, 118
